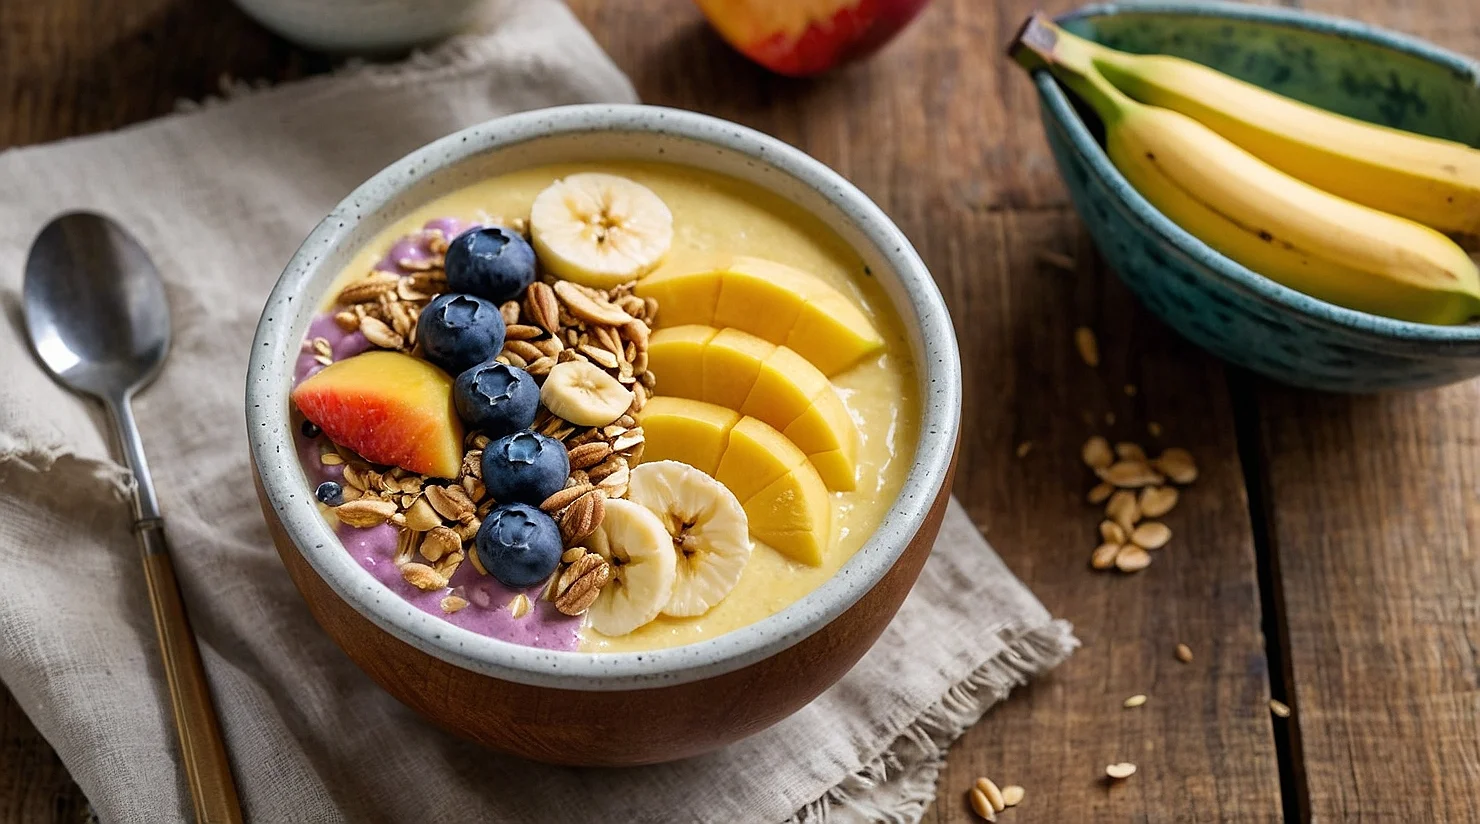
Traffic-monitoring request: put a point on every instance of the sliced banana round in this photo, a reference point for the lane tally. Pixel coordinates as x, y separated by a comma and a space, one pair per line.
600, 230
708, 527
584, 394
635, 544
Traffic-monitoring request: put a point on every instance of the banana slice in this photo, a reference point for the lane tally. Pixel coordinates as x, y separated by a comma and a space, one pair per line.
709, 530
584, 394
643, 563
600, 230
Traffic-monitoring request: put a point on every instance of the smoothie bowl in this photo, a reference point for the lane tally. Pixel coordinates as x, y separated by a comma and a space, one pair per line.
604, 434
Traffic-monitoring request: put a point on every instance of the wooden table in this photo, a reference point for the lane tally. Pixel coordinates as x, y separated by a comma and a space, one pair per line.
1327, 557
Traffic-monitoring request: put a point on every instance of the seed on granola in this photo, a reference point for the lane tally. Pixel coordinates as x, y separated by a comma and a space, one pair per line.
1096, 453
330, 459
509, 311
439, 543
600, 356
348, 321
1100, 492
590, 454
520, 331
572, 555
423, 577
365, 512
565, 497
1151, 535
453, 603
451, 502
581, 583
527, 351
477, 564
420, 516
631, 439
541, 307
587, 307
1157, 501
583, 516
520, 606
368, 288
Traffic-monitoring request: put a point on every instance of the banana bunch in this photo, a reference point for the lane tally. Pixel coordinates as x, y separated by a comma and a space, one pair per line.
1339, 209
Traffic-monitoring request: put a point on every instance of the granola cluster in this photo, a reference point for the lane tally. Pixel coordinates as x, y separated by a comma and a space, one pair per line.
557, 321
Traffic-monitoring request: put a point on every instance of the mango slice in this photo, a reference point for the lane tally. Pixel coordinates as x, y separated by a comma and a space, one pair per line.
688, 431
778, 303
676, 358
784, 498
771, 383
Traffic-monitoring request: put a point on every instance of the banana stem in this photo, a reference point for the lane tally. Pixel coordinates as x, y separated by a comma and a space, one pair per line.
1043, 45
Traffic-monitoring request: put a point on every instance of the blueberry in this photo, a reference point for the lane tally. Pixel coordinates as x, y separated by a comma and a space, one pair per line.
330, 493
496, 398
310, 429
519, 545
458, 332
526, 467
491, 262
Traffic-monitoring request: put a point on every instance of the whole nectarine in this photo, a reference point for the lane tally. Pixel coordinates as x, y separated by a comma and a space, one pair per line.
805, 37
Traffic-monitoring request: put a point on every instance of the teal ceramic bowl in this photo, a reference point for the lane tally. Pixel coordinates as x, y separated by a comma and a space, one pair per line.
1229, 310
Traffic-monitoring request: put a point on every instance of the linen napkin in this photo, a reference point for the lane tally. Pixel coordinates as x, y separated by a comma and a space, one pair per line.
221, 196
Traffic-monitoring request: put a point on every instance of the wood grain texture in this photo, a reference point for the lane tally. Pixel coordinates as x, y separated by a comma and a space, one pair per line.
1375, 533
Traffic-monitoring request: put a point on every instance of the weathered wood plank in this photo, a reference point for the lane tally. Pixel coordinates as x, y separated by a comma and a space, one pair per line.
1376, 534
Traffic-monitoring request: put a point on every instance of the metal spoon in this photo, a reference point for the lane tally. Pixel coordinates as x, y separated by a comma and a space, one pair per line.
98, 321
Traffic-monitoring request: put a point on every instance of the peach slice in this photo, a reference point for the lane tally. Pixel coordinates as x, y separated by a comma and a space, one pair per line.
390, 408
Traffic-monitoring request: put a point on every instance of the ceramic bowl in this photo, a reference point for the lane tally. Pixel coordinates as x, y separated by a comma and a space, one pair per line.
362, 26
1229, 310
604, 708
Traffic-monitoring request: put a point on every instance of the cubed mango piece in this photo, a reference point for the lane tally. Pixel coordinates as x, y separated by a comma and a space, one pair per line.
679, 429
676, 358
755, 456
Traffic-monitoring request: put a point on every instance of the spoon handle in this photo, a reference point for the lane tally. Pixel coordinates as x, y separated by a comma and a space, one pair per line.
207, 768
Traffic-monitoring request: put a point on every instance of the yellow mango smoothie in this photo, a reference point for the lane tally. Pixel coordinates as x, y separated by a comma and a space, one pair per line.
605, 407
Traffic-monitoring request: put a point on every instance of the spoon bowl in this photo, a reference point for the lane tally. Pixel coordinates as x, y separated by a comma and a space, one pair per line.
95, 306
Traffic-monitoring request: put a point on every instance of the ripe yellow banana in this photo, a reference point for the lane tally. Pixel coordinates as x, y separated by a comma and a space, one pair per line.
1303, 237
1435, 182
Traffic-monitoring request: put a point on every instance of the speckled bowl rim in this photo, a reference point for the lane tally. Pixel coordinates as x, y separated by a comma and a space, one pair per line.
1418, 337
269, 383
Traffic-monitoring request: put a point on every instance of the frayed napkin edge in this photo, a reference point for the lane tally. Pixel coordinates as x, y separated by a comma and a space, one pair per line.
918, 754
